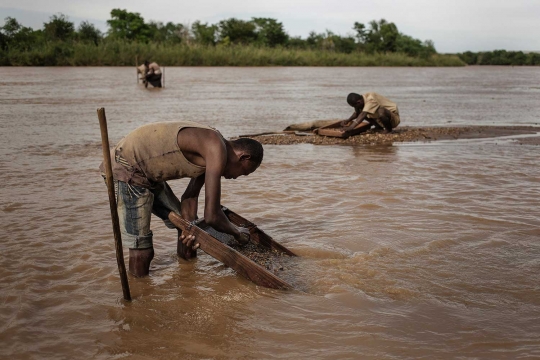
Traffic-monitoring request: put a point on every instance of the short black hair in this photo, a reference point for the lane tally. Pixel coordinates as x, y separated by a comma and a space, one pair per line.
252, 147
353, 98
146, 62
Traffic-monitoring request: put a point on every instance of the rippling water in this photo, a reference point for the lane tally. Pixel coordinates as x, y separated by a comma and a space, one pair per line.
408, 251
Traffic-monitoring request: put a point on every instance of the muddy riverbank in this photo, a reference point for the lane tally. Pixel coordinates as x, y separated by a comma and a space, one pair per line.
406, 134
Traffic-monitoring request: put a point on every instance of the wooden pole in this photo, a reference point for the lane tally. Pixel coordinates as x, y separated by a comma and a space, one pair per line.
137, 68
112, 203
163, 72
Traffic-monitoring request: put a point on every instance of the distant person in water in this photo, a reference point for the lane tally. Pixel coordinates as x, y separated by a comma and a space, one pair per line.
373, 108
152, 74
151, 155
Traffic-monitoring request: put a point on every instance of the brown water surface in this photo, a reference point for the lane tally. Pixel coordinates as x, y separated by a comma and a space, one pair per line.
408, 251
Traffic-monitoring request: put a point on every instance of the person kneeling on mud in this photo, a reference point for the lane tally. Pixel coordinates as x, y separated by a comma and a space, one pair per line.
149, 156
375, 109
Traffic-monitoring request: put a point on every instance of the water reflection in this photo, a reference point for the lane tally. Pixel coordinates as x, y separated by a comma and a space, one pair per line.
376, 153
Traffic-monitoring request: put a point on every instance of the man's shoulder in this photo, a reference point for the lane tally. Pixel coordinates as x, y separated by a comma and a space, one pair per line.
154, 131
178, 123
205, 133
371, 94
376, 97
205, 141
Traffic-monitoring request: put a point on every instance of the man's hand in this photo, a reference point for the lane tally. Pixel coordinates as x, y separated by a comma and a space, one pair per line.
189, 241
243, 237
350, 127
344, 122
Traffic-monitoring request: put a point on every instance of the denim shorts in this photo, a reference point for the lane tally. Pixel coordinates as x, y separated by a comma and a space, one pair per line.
135, 206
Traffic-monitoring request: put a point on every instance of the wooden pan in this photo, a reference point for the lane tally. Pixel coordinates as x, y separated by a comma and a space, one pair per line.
256, 235
334, 130
229, 256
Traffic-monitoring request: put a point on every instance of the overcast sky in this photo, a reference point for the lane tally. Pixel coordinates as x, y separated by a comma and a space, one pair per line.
454, 26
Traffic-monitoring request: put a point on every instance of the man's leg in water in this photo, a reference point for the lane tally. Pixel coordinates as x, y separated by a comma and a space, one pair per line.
166, 201
154, 80
134, 212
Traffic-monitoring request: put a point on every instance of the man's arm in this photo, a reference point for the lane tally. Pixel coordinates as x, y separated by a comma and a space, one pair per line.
190, 198
356, 121
352, 117
213, 215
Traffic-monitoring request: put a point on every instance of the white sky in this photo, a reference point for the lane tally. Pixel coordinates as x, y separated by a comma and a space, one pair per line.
454, 26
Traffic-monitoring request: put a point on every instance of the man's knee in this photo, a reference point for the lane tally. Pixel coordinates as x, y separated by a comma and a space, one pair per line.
385, 118
136, 241
383, 113
165, 201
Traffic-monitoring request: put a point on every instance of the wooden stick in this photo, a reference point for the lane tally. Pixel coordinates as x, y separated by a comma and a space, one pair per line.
137, 68
163, 77
112, 203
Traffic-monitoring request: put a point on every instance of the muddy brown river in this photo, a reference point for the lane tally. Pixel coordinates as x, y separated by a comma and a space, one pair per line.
410, 251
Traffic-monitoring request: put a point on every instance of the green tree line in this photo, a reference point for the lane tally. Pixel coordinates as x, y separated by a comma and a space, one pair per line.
259, 40
500, 57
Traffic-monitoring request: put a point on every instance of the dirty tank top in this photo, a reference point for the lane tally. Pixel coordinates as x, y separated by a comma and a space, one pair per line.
151, 154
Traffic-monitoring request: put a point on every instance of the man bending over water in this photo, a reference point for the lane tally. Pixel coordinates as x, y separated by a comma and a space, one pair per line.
375, 109
151, 73
152, 154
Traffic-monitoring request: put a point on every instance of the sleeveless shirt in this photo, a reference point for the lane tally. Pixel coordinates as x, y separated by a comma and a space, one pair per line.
151, 154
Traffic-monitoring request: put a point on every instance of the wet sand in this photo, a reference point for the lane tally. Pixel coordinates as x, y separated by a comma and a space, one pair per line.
270, 259
267, 258
407, 134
